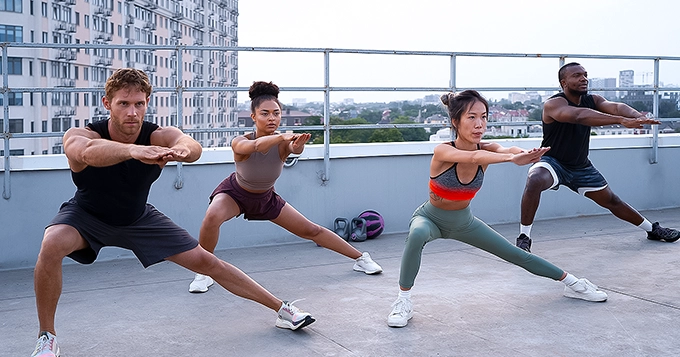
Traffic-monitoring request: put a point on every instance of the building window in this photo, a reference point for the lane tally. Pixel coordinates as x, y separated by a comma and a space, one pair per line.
13, 65
43, 9
85, 73
77, 18
44, 127
86, 20
15, 125
13, 99
56, 125
43, 101
43, 69
76, 99
12, 6
9, 33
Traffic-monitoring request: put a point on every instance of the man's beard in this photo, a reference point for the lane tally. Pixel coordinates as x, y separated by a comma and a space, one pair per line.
581, 92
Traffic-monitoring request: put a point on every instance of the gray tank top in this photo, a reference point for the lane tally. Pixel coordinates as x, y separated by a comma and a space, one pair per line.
260, 171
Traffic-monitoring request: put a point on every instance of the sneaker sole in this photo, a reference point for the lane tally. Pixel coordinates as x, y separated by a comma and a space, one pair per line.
399, 323
280, 323
664, 240
574, 295
199, 291
368, 272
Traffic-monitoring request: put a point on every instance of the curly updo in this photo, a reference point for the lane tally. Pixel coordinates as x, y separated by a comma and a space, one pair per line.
261, 92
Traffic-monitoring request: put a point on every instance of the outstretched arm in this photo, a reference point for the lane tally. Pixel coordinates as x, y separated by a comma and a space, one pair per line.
183, 147
607, 113
84, 147
444, 153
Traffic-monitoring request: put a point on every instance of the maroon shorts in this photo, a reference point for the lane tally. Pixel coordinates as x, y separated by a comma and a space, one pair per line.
263, 206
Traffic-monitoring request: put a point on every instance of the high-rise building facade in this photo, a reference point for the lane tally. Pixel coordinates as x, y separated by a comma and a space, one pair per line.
76, 76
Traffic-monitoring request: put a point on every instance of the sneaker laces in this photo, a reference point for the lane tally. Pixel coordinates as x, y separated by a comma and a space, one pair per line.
400, 307
293, 309
44, 343
664, 233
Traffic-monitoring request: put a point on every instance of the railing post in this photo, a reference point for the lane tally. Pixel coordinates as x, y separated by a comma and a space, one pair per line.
6, 187
655, 110
179, 179
326, 118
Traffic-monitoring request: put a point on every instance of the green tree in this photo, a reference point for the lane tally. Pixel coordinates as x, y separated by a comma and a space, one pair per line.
371, 116
411, 134
386, 136
640, 106
536, 114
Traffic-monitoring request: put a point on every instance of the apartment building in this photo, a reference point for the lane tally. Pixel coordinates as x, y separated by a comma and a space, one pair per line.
89, 39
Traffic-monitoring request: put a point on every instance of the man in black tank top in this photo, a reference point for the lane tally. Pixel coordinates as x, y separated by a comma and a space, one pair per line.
567, 119
113, 164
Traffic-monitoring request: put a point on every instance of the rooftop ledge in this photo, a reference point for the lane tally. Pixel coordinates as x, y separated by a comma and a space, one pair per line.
338, 151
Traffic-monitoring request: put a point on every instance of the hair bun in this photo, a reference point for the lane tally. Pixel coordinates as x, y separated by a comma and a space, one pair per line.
263, 88
447, 97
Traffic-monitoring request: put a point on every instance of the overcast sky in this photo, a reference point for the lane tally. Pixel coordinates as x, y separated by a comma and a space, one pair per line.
611, 27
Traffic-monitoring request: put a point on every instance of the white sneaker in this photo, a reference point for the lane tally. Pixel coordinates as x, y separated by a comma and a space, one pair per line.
200, 284
46, 346
585, 290
293, 318
402, 311
365, 264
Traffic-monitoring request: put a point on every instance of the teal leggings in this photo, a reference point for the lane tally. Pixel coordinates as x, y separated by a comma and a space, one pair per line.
429, 223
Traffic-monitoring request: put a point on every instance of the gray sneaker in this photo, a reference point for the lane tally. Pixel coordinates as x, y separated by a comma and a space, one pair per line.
585, 290
524, 242
402, 311
46, 346
291, 317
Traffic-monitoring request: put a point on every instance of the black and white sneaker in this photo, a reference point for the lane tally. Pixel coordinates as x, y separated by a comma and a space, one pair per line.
524, 242
291, 317
663, 234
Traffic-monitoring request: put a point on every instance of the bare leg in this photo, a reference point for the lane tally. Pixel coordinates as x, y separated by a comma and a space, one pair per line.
294, 222
538, 180
58, 242
607, 199
228, 276
221, 209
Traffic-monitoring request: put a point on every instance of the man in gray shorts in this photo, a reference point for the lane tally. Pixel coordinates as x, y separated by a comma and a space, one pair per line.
113, 163
567, 118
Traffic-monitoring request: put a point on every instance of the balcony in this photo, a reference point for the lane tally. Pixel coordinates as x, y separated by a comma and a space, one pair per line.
150, 68
66, 82
150, 25
130, 20
103, 37
150, 4
103, 61
102, 11
66, 54
177, 15
100, 111
65, 112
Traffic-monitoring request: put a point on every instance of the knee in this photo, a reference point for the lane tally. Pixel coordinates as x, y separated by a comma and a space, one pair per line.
417, 236
537, 183
57, 243
310, 230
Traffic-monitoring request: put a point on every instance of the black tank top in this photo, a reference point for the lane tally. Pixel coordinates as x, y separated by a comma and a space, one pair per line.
116, 194
569, 143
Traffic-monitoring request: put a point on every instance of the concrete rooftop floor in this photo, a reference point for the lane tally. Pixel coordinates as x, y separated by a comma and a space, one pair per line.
467, 302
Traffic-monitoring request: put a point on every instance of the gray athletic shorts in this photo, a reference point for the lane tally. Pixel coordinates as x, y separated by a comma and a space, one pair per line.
152, 238
581, 180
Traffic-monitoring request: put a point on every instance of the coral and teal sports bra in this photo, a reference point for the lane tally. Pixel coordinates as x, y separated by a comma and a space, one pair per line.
447, 185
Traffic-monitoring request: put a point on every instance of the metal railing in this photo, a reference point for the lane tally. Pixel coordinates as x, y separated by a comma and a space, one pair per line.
327, 88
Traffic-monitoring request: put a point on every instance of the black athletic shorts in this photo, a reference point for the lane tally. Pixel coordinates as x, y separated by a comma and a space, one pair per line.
152, 238
263, 206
